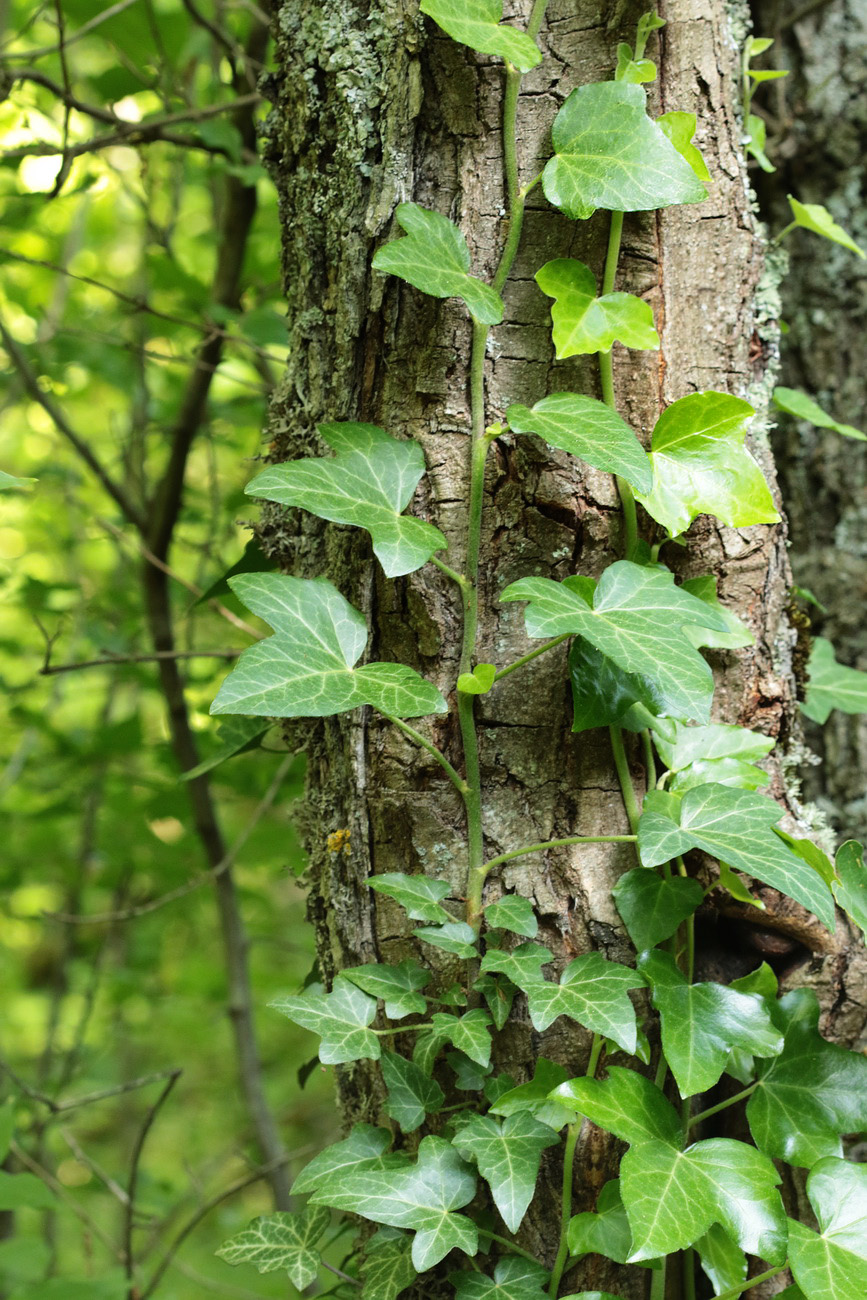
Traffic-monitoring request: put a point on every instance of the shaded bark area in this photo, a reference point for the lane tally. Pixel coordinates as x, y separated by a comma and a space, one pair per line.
818, 138
374, 106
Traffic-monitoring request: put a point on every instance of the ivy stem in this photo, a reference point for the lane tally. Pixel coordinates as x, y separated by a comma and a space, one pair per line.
606, 378
633, 812
787, 230
509, 1245
735, 1291
456, 779
534, 654
657, 1281
556, 844
723, 1105
572, 1136
450, 573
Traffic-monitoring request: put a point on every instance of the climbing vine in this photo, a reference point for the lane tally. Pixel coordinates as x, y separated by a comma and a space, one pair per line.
471, 1137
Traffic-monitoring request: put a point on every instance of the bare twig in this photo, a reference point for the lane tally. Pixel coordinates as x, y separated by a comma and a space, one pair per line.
83, 1158
229, 47
204, 878
66, 94
135, 1161
49, 670
89, 1098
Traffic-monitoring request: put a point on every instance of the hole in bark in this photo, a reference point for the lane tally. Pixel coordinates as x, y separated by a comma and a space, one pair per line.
728, 948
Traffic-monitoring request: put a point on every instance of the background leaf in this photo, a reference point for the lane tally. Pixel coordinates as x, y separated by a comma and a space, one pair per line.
805, 408
831, 685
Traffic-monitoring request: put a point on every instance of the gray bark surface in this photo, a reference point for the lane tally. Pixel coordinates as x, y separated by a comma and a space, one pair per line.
374, 106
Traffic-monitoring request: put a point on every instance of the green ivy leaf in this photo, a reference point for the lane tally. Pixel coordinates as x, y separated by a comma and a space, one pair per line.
419, 896
815, 217
478, 23
653, 908
811, 853
674, 1197
703, 1023
593, 992
602, 693
831, 685
455, 937
637, 620
717, 754
469, 1075
811, 1093
850, 887
832, 1264
755, 142
736, 635
607, 1232
369, 483
284, 1241
680, 129
634, 71
514, 1279
585, 428
737, 888
433, 256
306, 670
523, 965
236, 735
421, 1197
411, 1093
625, 1104
365, 1148
701, 466
340, 1018
508, 1155
479, 681
805, 408
735, 827
469, 1033
646, 173
535, 1097
584, 323
397, 986
723, 1262
9, 481
513, 913
386, 1268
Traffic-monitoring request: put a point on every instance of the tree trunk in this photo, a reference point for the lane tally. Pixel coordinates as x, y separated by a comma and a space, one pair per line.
374, 106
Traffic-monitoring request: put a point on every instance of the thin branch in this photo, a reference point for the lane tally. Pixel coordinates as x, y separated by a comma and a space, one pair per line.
135, 1161
62, 1195
111, 12
83, 1158
28, 378
48, 670
204, 878
229, 47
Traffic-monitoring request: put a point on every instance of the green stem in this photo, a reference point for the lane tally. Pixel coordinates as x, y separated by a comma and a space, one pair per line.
509, 1245
735, 1291
572, 1136
787, 230
456, 779
606, 377
402, 1029
657, 1281
450, 573
557, 844
723, 1105
633, 812
534, 654
687, 1260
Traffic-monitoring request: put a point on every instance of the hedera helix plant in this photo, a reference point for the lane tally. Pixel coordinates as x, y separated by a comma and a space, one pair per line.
447, 1186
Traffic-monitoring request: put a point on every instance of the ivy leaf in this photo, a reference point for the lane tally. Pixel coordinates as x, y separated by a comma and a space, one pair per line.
236, 735
411, 1094
735, 827
593, 992
478, 23
606, 1232
397, 986
469, 1033
369, 483
602, 693
513, 913
514, 1279
479, 681
831, 685
723, 1262
716, 754
421, 1197
386, 1268
736, 635
419, 896
832, 1264
284, 1241
455, 937
535, 1097
9, 481
584, 323
585, 428
646, 173
634, 71
701, 466
508, 1156
469, 1076
366, 1147
673, 1197
340, 1018
433, 256
523, 965
805, 408
653, 908
625, 1104
811, 1093
815, 217
850, 887
680, 128
637, 620
703, 1023
307, 669
756, 140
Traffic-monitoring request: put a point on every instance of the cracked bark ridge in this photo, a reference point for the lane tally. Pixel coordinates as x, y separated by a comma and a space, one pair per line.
373, 105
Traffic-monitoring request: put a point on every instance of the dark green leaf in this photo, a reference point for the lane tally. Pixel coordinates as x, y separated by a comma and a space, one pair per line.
514, 1279
513, 913
366, 1147
508, 1155
411, 1094
606, 1232
626, 1104
284, 1241
340, 1018
588, 429
584, 323
419, 896
653, 908
594, 992
236, 735
535, 1097
469, 1075
386, 1268
523, 965
723, 1262
398, 986
456, 937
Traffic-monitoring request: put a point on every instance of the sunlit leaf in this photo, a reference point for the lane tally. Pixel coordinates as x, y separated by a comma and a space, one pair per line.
479, 681
588, 429
850, 885
680, 129
805, 408
585, 323
832, 1264
477, 23
513, 913
8, 481
433, 256
535, 1097
831, 685
626, 1104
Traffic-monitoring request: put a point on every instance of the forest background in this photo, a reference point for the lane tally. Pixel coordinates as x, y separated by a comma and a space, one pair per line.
143, 331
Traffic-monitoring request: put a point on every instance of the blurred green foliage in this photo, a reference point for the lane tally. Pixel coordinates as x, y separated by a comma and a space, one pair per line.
106, 276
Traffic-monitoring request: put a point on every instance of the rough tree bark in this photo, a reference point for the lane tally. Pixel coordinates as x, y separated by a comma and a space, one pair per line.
374, 106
